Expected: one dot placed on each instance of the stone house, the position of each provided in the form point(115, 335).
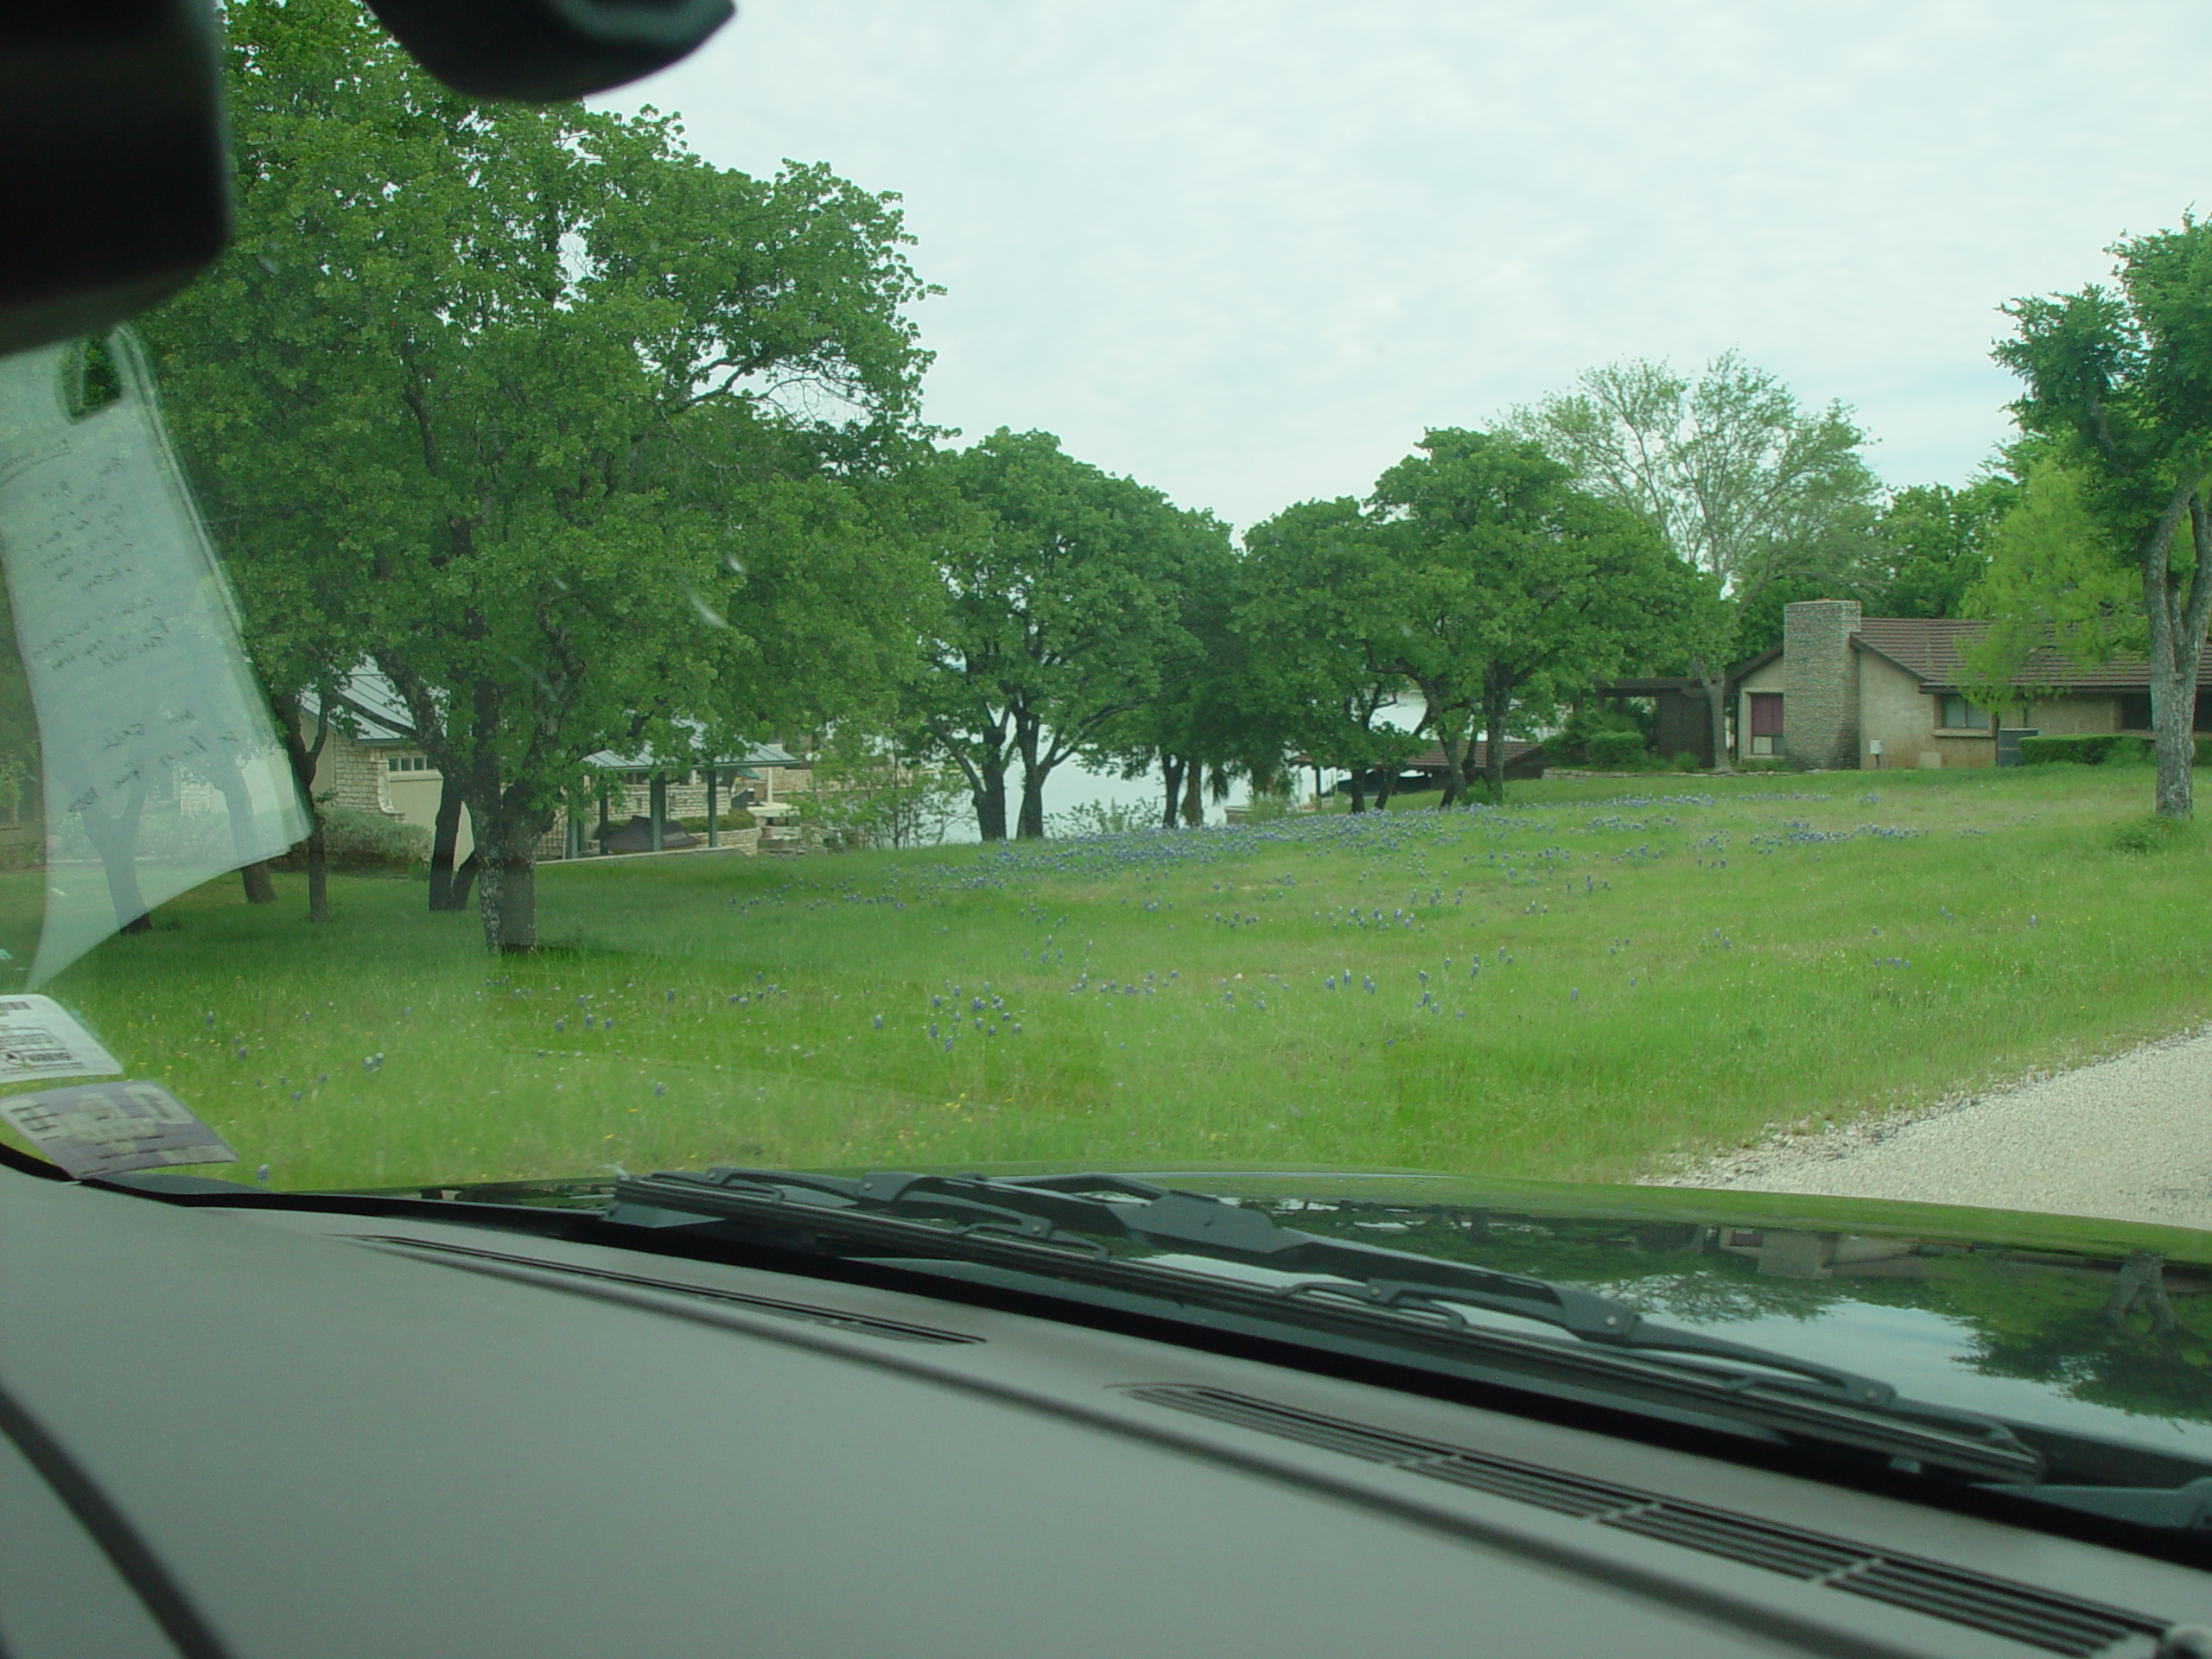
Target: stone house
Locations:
point(1849, 690)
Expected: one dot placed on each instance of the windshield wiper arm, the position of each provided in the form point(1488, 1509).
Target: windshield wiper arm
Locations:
point(1057, 1224)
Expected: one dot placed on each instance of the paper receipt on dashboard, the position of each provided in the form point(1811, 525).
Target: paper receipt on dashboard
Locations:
point(104, 1128)
point(39, 1038)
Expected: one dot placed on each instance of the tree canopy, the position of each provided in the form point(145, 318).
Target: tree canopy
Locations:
point(566, 429)
point(1064, 592)
point(2118, 384)
point(1745, 484)
point(1509, 585)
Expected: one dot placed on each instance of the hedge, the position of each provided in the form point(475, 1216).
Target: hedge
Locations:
point(736, 818)
point(2101, 749)
point(1616, 750)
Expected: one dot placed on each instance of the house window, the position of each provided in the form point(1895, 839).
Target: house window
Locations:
point(2135, 712)
point(1959, 714)
point(406, 763)
point(1766, 722)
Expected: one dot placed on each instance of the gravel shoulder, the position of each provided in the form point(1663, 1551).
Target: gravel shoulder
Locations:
point(2128, 1139)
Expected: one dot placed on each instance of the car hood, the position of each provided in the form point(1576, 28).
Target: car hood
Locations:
point(2093, 1327)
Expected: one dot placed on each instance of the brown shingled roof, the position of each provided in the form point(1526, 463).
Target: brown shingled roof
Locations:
point(1928, 648)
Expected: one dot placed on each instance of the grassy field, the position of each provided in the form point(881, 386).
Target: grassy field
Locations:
point(1608, 974)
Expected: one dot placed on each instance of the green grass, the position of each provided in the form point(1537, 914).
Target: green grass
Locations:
point(1684, 962)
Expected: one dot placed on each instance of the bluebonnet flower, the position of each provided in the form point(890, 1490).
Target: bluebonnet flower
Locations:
point(1368, 983)
point(659, 1088)
point(879, 1022)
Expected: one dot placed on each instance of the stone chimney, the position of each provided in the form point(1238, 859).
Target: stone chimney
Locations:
point(1820, 685)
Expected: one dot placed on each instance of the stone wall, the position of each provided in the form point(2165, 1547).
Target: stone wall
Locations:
point(1819, 709)
point(350, 773)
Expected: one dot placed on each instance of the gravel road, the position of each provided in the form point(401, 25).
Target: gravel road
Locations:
point(2128, 1138)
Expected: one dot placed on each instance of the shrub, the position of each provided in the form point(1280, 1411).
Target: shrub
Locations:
point(363, 844)
point(1684, 761)
point(2153, 835)
point(2080, 749)
point(1615, 751)
point(1570, 744)
point(736, 818)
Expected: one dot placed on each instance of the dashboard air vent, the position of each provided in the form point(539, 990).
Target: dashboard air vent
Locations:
point(2020, 1612)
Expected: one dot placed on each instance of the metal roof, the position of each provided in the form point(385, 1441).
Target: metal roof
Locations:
point(379, 716)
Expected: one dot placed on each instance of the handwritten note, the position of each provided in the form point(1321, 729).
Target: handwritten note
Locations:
point(130, 642)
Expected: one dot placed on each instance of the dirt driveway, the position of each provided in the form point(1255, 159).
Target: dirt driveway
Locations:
point(2129, 1138)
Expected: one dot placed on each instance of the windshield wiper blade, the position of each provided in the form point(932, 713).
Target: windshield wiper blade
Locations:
point(1060, 1226)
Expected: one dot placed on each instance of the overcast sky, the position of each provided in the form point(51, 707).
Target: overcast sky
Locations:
point(1246, 251)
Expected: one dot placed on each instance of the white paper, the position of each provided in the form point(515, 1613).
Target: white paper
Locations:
point(39, 1038)
point(102, 1128)
point(160, 765)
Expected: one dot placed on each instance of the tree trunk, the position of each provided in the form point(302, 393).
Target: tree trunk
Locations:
point(116, 840)
point(1357, 783)
point(464, 878)
point(1030, 825)
point(2178, 619)
point(507, 873)
point(1450, 742)
point(1194, 807)
point(445, 835)
point(1029, 821)
point(1171, 769)
point(1495, 703)
point(303, 757)
point(990, 800)
point(318, 871)
point(1716, 698)
point(1386, 785)
point(260, 885)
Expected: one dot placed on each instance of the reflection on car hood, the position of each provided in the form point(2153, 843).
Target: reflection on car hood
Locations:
point(2099, 1328)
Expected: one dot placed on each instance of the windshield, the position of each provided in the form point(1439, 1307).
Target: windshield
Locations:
point(1253, 605)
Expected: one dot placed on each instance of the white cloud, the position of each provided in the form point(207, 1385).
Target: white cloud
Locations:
point(1246, 250)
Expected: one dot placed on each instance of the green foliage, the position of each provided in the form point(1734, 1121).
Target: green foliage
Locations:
point(2152, 833)
point(1509, 589)
point(576, 434)
point(2118, 384)
point(1747, 485)
point(872, 791)
point(1615, 751)
point(1570, 744)
point(363, 844)
point(1685, 760)
point(2084, 749)
point(1065, 609)
point(1090, 818)
point(735, 818)
point(1314, 590)
point(1931, 545)
point(2055, 587)
point(1710, 1046)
